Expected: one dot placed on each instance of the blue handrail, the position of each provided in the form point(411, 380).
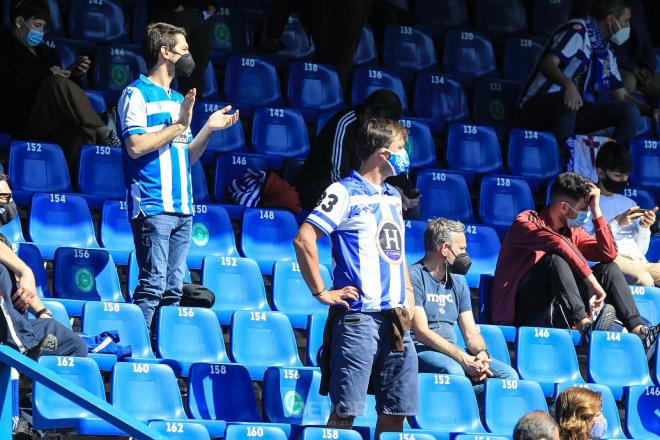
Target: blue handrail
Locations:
point(12, 358)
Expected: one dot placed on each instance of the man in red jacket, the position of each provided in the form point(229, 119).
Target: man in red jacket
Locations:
point(543, 277)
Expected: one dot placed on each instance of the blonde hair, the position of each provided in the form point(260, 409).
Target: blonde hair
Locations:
point(574, 408)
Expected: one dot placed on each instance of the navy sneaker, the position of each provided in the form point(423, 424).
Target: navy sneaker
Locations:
point(649, 335)
point(604, 321)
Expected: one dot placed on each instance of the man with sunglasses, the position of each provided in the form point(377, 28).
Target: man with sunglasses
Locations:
point(543, 275)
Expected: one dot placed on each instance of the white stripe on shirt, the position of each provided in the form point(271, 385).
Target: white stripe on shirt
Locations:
point(337, 145)
point(166, 178)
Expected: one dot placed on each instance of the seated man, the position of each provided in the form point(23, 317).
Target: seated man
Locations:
point(543, 276)
point(630, 225)
point(442, 298)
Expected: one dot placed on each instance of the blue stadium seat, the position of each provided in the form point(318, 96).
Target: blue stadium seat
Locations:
point(469, 55)
point(31, 256)
point(494, 339)
point(548, 14)
point(483, 245)
point(414, 240)
point(507, 400)
point(210, 83)
point(291, 295)
point(368, 80)
point(101, 21)
point(132, 277)
point(117, 66)
point(495, 101)
point(533, 155)
point(59, 312)
point(314, 88)
point(440, 100)
point(645, 198)
point(502, 199)
point(630, 368)
point(474, 149)
point(368, 418)
point(653, 254)
point(251, 82)
point(448, 186)
point(646, 162)
point(247, 432)
point(408, 49)
point(520, 56)
point(200, 188)
point(132, 382)
point(324, 117)
point(315, 326)
point(230, 33)
point(609, 406)
point(547, 356)
point(280, 132)
point(82, 275)
point(442, 15)
point(291, 395)
point(5, 140)
point(267, 235)
point(647, 300)
point(421, 147)
point(228, 168)
point(277, 344)
point(366, 53)
point(60, 220)
point(139, 21)
point(237, 284)
point(181, 430)
point(499, 18)
point(100, 174)
point(312, 433)
point(458, 413)
point(222, 141)
point(221, 392)
point(97, 100)
point(212, 234)
point(255, 9)
point(37, 167)
point(13, 230)
point(116, 234)
point(187, 335)
point(645, 126)
point(642, 420)
point(297, 44)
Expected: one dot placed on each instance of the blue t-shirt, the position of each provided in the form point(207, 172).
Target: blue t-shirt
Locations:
point(442, 302)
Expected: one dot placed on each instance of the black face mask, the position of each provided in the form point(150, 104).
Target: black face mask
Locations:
point(8, 212)
point(461, 264)
point(613, 186)
point(184, 66)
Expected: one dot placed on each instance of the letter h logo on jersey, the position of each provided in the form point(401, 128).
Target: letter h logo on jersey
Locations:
point(389, 240)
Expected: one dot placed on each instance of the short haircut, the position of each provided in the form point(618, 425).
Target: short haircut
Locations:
point(28, 9)
point(570, 185)
point(157, 36)
point(378, 133)
point(384, 104)
point(614, 157)
point(438, 231)
point(602, 8)
point(537, 425)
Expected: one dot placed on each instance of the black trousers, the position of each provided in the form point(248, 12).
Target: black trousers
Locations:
point(550, 295)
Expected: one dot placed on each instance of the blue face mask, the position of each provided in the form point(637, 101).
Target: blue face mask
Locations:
point(582, 218)
point(33, 38)
point(399, 161)
point(599, 429)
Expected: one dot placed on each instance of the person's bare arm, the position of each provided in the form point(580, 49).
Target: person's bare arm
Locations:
point(549, 68)
point(25, 296)
point(473, 339)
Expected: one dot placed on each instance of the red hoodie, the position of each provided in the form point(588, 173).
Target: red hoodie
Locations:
point(528, 240)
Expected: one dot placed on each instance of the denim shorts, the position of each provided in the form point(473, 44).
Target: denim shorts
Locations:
point(362, 350)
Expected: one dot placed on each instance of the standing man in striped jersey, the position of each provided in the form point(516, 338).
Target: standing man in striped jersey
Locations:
point(366, 342)
point(159, 151)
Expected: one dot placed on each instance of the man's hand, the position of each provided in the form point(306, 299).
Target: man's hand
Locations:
point(648, 218)
point(594, 288)
point(25, 294)
point(572, 98)
point(593, 199)
point(56, 70)
point(220, 120)
point(475, 369)
point(628, 216)
point(186, 111)
point(80, 66)
point(339, 296)
point(409, 203)
point(642, 74)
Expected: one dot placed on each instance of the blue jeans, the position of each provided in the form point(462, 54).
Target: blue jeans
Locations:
point(431, 361)
point(161, 247)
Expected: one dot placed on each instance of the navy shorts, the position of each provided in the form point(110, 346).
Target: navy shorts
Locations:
point(362, 349)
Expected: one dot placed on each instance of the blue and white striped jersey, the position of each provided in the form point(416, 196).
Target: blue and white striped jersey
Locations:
point(157, 182)
point(366, 232)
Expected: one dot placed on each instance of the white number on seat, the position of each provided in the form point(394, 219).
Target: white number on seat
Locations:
point(65, 361)
point(311, 67)
point(31, 146)
point(200, 209)
point(531, 134)
point(255, 431)
point(247, 62)
point(58, 198)
point(441, 379)
point(503, 181)
point(218, 369)
point(140, 368)
point(269, 215)
point(276, 112)
point(330, 434)
point(467, 36)
point(228, 261)
point(81, 253)
point(186, 312)
point(239, 160)
point(110, 307)
point(439, 176)
point(541, 333)
point(375, 74)
point(614, 336)
point(510, 384)
point(102, 150)
point(258, 316)
point(469, 129)
point(174, 427)
point(291, 374)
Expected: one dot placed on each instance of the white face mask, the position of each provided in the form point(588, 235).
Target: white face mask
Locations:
point(620, 36)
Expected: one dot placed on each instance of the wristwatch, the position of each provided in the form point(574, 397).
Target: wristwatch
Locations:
point(483, 350)
point(44, 311)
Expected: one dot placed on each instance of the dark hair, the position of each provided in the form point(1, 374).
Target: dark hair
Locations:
point(537, 425)
point(570, 185)
point(157, 36)
point(384, 104)
point(614, 157)
point(602, 8)
point(377, 133)
point(28, 9)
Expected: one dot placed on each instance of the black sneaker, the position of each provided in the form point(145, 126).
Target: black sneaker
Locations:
point(111, 140)
point(649, 336)
point(604, 321)
point(23, 430)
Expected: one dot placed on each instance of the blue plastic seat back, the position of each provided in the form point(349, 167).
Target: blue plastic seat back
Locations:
point(59, 312)
point(366, 52)
point(548, 14)
point(297, 44)
point(484, 247)
point(507, 400)
point(97, 20)
point(630, 368)
point(314, 86)
point(61, 220)
point(408, 49)
point(642, 405)
point(97, 100)
point(494, 339)
point(414, 240)
point(221, 392)
point(473, 148)
point(442, 15)
point(231, 167)
point(246, 432)
point(459, 414)
point(647, 300)
point(38, 167)
point(502, 199)
point(139, 21)
point(147, 391)
point(312, 433)
point(646, 162)
point(369, 417)
point(181, 430)
point(609, 406)
point(200, 188)
point(116, 230)
point(499, 18)
point(230, 30)
point(440, 97)
point(291, 395)
point(212, 233)
point(31, 256)
point(86, 274)
point(368, 80)
point(210, 83)
point(421, 147)
point(280, 132)
point(653, 254)
point(451, 188)
point(117, 66)
point(520, 57)
point(290, 292)
point(547, 356)
point(13, 230)
point(315, 326)
point(221, 141)
point(469, 54)
point(267, 235)
point(132, 277)
point(645, 198)
point(125, 318)
point(252, 81)
point(495, 101)
point(533, 154)
point(101, 171)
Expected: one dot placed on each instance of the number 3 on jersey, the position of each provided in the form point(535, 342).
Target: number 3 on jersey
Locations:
point(328, 202)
